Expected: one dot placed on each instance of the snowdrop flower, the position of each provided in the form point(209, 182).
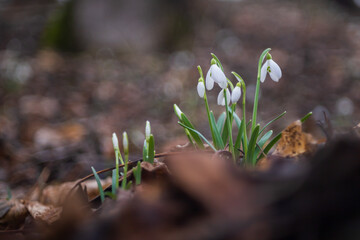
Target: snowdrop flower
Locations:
point(178, 112)
point(221, 97)
point(201, 88)
point(209, 80)
point(215, 74)
point(115, 141)
point(271, 67)
point(147, 130)
point(125, 143)
point(236, 93)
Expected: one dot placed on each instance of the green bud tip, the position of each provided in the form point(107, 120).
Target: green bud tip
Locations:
point(213, 61)
point(268, 56)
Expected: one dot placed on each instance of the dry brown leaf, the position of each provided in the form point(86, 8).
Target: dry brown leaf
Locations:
point(294, 141)
point(57, 194)
point(12, 212)
point(48, 214)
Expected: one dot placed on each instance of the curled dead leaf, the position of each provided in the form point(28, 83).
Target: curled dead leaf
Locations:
point(48, 214)
point(56, 194)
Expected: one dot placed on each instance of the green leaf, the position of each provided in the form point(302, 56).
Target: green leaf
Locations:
point(194, 135)
point(128, 185)
point(202, 136)
point(225, 133)
point(113, 185)
point(278, 117)
point(111, 195)
point(262, 141)
point(101, 190)
point(252, 144)
point(238, 140)
point(306, 117)
point(270, 145)
point(218, 140)
point(236, 118)
point(217, 61)
point(137, 173)
point(151, 153)
point(221, 121)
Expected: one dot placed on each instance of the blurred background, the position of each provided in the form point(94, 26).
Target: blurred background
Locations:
point(73, 72)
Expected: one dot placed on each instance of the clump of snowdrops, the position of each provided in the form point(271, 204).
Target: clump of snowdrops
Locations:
point(250, 142)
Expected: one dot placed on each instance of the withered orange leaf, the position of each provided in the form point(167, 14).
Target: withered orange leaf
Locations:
point(294, 141)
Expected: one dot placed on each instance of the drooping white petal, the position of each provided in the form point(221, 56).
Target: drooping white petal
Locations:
point(275, 71)
point(209, 81)
point(218, 76)
point(147, 130)
point(223, 84)
point(115, 141)
point(264, 71)
point(228, 96)
point(221, 98)
point(236, 94)
point(201, 89)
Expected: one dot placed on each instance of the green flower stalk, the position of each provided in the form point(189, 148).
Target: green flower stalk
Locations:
point(126, 153)
point(117, 157)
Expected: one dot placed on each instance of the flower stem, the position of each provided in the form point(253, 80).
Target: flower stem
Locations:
point(256, 99)
point(245, 145)
point(231, 144)
point(208, 115)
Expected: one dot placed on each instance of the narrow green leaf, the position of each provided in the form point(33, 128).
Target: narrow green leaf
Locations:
point(113, 185)
point(225, 133)
point(221, 121)
point(238, 140)
point(101, 190)
point(236, 118)
point(262, 141)
point(306, 117)
point(151, 153)
point(194, 135)
point(189, 137)
point(111, 195)
point(270, 145)
point(278, 117)
point(202, 136)
point(128, 185)
point(252, 144)
point(137, 173)
point(218, 140)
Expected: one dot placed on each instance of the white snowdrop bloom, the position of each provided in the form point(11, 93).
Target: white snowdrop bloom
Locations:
point(147, 130)
point(271, 67)
point(209, 80)
point(221, 97)
point(236, 94)
point(201, 89)
point(218, 75)
point(115, 141)
point(125, 142)
point(177, 111)
point(215, 74)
